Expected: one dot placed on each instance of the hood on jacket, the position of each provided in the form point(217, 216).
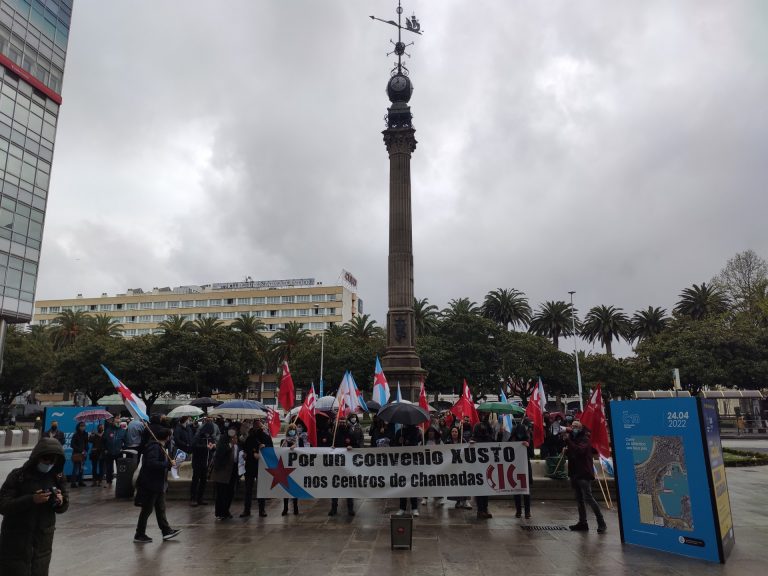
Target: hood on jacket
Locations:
point(47, 447)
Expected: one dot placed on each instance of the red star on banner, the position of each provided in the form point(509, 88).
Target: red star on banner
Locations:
point(280, 474)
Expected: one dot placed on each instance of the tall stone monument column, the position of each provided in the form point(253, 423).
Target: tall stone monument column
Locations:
point(400, 362)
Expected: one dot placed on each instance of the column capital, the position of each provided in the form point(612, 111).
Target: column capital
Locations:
point(400, 140)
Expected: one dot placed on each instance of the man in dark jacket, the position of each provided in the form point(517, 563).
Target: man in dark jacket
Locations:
point(114, 435)
point(257, 439)
point(408, 436)
point(581, 471)
point(30, 498)
point(151, 486)
point(348, 435)
point(483, 432)
point(202, 443)
point(54, 432)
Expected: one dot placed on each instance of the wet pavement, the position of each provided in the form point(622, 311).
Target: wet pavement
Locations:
point(95, 536)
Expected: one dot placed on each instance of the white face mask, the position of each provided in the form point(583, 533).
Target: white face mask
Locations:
point(44, 468)
point(231, 433)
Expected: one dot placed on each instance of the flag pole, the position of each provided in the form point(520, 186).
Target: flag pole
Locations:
point(605, 479)
point(605, 498)
point(156, 440)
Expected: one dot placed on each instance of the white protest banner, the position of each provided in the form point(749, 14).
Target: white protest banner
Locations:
point(443, 470)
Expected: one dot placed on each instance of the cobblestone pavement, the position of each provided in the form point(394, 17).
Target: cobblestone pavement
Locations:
point(95, 537)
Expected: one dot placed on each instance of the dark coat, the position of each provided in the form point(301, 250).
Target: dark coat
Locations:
point(482, 432)
point(27, 529)
point(57, 434)
point(79, 442)
point(579, 451)
point(252, 447)
point(154, 469)
point(114, 436)
point(408, 436)
point(182, 438)
point(224, 461)
point(97, 446)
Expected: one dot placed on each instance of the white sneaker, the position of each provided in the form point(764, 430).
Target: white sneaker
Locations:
point(424, 501)
point(467, 505)
point(400, 512)
point(415, 512)
point(439, 501)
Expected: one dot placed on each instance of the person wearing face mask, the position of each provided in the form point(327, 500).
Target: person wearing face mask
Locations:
point(257, 439)
point(225, 472)
point(348, 435)
point(151, 486)
point(581, 471)
point(54, 432)
point(292, 440)
point(79, 445)
point(30, 499)
point(98, 443)
point(114, 433)
point(182, 440)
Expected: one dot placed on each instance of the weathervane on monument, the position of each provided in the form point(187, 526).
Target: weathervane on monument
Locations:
point(401, 361)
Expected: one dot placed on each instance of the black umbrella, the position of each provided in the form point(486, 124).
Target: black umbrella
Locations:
point(373, 406)
point(204, 402)
point(402, 413)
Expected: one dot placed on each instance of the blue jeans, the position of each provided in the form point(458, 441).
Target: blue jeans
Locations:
point(77, 472)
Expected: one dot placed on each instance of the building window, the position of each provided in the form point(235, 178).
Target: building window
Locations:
point(130, 319)
point(214, 302)
point(201, 303)
point(173, 304)
point(318, 297)
point(302, 298)
point(287, 313)
point(288, 299)
point(119, 306)
point(257, 313)
point(273, 299)
point(331, 297)
point(259, 300)
point(273, 313)
point(132, 306)
point(229, 302)
point(159, 317)
point(243, 301)
point(228, 315)
point(146, 305)
point(318, 311)
point(92, 307)
point(303, 311)
point(188, 304)
point(145, 318)
point(105, 307)
point(54, 309)
point(44, 310)
point(159, 305)
point(317, 326)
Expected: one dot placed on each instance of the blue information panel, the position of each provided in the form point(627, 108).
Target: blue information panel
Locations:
point(65, 417)
point(664, 477)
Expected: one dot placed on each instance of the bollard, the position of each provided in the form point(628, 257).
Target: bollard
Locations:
point(13, 438)
point(401, 531)
point(30, 436)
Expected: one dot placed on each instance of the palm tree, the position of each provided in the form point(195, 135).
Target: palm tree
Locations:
point(67, 326)
point(207, 326)
point(604, 324)
point(647, 323)
point(248, 325)
point(553, 319)
point(176, 323)
point(699, 302)
point(104, 325)
point(426, 316)
point(287, 339)
point(460, 307)
point(363, 328)
point(334, 331)
point(507, 306)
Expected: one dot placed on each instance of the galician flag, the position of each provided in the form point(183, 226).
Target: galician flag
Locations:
point(133, 403)
point(506, 419)
point(399, 397)
point(349, 396)
point(380, 385)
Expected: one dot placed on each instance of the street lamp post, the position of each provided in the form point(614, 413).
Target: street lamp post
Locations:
point(576, 352)
point(322, 353)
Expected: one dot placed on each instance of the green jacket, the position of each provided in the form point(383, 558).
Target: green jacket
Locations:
point(27, 528)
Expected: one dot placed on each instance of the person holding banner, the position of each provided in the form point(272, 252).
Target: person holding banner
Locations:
point(408, 436)
point(483, 433)
point(521, 433)
point(291, 440)
point(202, 443)
point(346, 437)
point(454, 437)
point(257, 439)
point(225, 472)
point(581, 470)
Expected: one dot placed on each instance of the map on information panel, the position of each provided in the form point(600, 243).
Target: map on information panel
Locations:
point(662, 481)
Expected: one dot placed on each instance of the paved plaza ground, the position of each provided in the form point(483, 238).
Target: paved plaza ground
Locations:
point(95, 537)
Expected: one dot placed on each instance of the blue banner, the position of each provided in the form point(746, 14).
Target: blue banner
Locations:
point(661, 466)
point(65, 417)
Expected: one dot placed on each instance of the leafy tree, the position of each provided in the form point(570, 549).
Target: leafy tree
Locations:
point(743, 280)
point(553, 320)
point(77, 366)
point(507, 307)
point(604, 324)
point(287, 339)
point(105, 325)
point(249, 326)
point(208, 326)
point(460, 307)
point(176, 323)
point(26, 361)
point(362, 327)
point(698, 302)
point(426, 316)
point(334, 331)
point(647, 323)
point(618, 376)
point(68, 326)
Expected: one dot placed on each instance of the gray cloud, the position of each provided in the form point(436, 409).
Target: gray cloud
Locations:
point(616, 150)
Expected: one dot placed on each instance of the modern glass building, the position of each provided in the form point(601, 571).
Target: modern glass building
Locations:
point(33, 47)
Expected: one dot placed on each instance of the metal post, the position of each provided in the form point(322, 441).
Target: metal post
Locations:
point(576, 352)
point(322, 353)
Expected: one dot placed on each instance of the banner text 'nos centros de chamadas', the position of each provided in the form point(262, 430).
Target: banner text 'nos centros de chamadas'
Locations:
point(441, 470)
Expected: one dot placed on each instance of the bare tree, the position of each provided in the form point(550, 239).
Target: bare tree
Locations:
point(743, 279)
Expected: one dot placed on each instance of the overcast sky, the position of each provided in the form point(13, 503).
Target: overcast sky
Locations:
point(617, 149)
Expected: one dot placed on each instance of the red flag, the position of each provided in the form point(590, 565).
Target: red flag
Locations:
point(534, 414)
point(273, 422)
point(287, 392)
point(465, 406)
point(593, 419)
point(424, 404)
point(307, 415)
